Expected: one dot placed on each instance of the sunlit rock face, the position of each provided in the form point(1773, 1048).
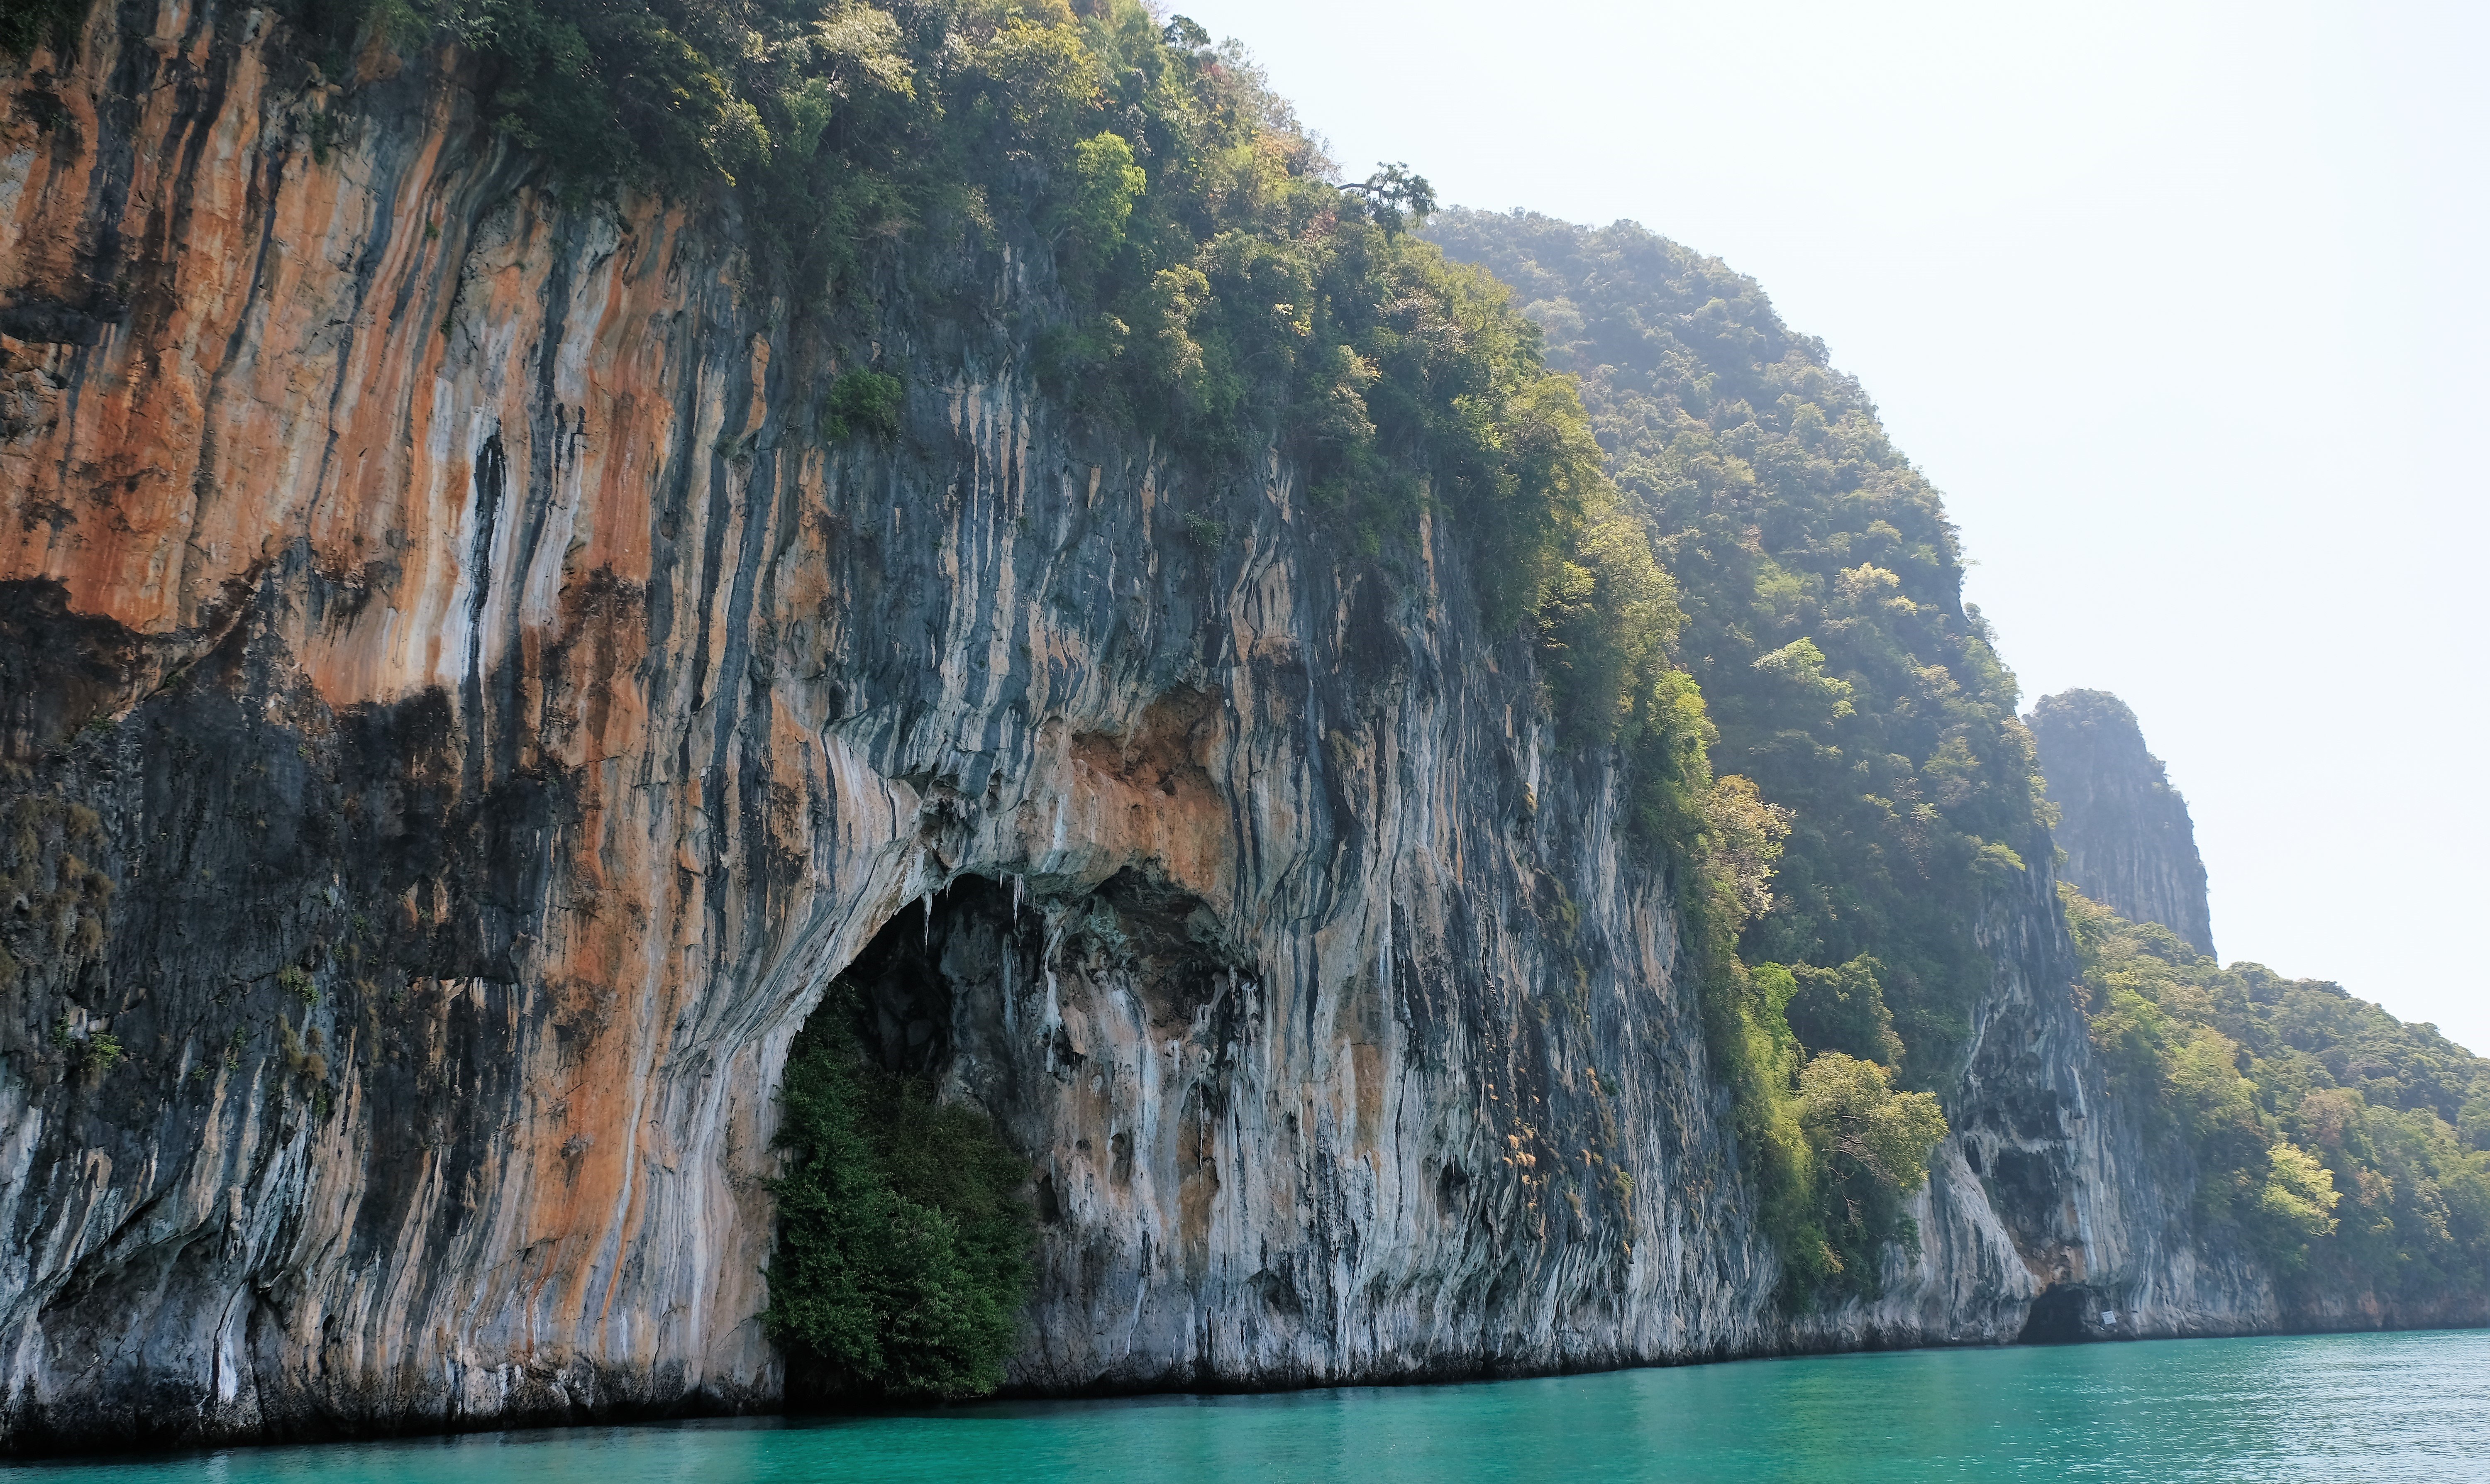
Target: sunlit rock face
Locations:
point(458, 715)
point(2130, 843)
point(501, 715)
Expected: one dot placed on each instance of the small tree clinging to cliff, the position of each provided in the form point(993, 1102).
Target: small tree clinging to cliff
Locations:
point(1872, 1146)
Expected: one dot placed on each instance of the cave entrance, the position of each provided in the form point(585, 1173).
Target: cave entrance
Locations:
point(937, 976)
point(945, 987)
point(987, 1056)
point(2065, 1314)
point(905, 1228)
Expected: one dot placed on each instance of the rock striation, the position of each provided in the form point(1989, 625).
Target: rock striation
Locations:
point(459, 713)
point(2130, 843)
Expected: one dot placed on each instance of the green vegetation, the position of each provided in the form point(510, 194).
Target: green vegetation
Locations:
point(861, 403)
point(298, 982)
point(2350, 1151)
point(1842, 1009)
point(1872, 1146)
point(1824, 623)
point(1837, 669)
point(100, 1053)
point(903, 1244)
point(1834, 1146)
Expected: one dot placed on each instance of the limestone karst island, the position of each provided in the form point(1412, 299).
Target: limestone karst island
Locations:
point(809, 710)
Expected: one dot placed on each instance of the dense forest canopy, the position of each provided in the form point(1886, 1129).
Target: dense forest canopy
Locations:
point(1824, 626)
point(2348, 1150)
point(1822, 589)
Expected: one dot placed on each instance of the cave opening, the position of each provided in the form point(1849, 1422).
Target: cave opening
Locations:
point(935, 979)
point(934, 992)
point(963, 1081)
point(905, 1227)
point(2063, 1315)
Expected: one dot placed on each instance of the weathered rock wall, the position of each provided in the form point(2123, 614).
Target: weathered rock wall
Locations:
point(460, 715)
point(2130, 843)
point(2129, 840)
point(501, 715)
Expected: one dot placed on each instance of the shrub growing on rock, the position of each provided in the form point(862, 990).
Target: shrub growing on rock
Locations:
point(903, 1240)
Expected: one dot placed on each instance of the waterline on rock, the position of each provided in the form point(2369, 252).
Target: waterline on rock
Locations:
point(2413, 1405)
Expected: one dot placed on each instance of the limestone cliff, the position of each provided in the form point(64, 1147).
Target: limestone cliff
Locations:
point(459, 713)
point(2130, 843)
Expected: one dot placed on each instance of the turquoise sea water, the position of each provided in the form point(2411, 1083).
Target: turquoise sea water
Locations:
point(2335, 1406)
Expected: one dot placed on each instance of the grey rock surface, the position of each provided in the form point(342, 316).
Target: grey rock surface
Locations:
point(2129, 840)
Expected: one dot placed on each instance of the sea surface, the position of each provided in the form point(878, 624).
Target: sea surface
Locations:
point(2332, 1406)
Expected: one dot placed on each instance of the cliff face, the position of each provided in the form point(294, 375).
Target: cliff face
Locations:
point(2392, 1110)
point(458, 717)
point(2130, 843)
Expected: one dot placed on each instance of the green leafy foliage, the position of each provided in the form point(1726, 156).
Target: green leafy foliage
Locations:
point(1099, 205)
point(2340, 1145)
point(1397, 198)
point(862, 402)
point(903, 1245)
point(1842, 1009)
point(1821, 590)
point(1833, 1146)
point(298, 982)
point(1871, 1145)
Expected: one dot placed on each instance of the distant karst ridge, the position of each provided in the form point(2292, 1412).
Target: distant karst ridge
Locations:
point(2129, 840)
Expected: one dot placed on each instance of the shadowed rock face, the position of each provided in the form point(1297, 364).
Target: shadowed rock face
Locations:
point(2130, 843)
point(457, 716)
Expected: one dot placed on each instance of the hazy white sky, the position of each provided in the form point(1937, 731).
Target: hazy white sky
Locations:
point(2183, 309)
